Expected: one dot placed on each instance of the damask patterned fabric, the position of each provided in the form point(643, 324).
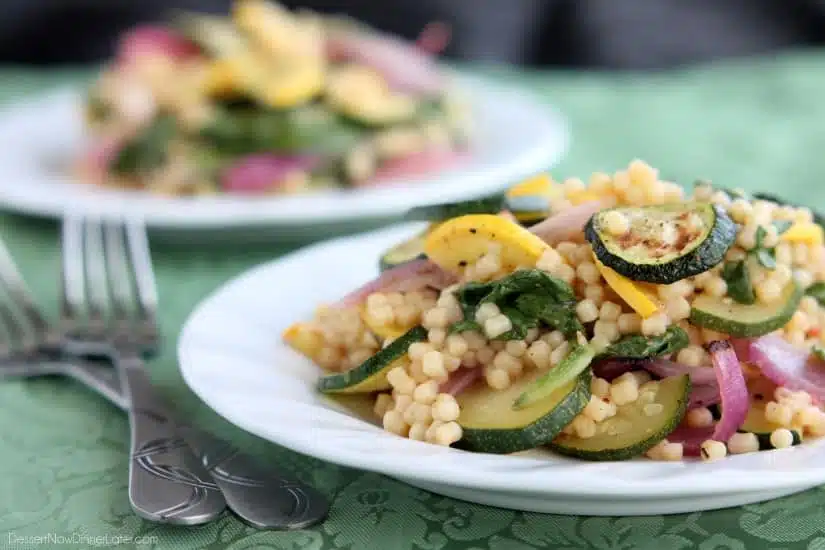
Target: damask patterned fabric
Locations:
point(63, 451)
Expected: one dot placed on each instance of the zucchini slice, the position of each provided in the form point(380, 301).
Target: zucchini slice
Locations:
point(404, 252)
point(755, 423)
point(490, 424)
point(526, 208)
point(631, 432)
point(371, 375)
point(665, 243)
point(569, 368)
point(744, 320)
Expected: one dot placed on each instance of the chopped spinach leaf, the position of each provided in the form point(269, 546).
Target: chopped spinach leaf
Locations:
point(642, 347)
point(148, 150)
point(765, 256)
point(527, 297)
point(817, 290)
point(738, 280)
point(818, 352)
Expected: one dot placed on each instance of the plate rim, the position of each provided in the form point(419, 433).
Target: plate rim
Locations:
point(237, 211)
point(691, 485)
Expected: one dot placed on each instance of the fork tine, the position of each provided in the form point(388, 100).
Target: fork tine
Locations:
point(118, 267)
point(72, 286)
point(142, 264)
point(19, 292)
point(96, 279)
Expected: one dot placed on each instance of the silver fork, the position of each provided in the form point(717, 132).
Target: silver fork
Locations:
point(99, 316)
point(261, 498)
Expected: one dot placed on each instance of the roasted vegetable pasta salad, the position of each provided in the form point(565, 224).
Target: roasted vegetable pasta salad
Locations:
point(270, 101)
point(606, 320)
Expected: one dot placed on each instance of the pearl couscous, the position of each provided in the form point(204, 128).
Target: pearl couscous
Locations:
point(585, 341)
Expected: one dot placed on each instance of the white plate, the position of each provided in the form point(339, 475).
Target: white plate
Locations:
point(516, 137)
point(232, 357)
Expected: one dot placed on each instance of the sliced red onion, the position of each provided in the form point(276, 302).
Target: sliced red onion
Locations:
point(664, 368)
point(614, 367)
point(427, 162)
point(260, 173)
point(734, 398)
point(568, 224)
point(100, 155)
point(405, 67)
point(415, 275)
point(460, 380)
point(146, 40)
point(788, 366)
point(704, 395)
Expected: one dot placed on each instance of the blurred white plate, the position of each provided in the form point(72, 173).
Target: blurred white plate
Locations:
point(231, 355)
point(516, 137)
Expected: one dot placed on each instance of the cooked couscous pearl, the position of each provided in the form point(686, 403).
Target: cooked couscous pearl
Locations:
point(598, 410)
point(594, 293)
point(426, 393)
point(671, 451)
point(445, 408)
point(507, 362)
point(400, 380)
point(539, 354)
point(615, 223)
point(588, 273)
point(383, 403)
point(554, 339)
point(447, 434)
point(624, 390)
point(713, 450)
point(456, 345)
point(487, 311)
point(497, 326)
point(433, 365)
point(629, 323)
point(516, 348)
point(599, 387)
point(691, 356)
point(393, 421)
point(559, 353)
point(498, 379)
point(778, 413)
point(610, 311)
point(418, 431)
point(781, 438)
point(437, 336)
point(587, 311)
point(584, 427)
point(699, 417)
point(655, 325)
point(740, 443)
point(417, 350)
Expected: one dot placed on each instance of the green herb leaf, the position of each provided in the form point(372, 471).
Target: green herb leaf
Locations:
point(782, 226)
point(817, 290)
point(760, 237)
point(148, 150)
point(463, 326)
point(818, 352)
point(766, 257)
point(642, 347)
point(738, 280)
point(527, 298)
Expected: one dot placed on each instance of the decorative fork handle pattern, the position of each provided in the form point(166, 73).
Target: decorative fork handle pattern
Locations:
point(260, 497)
point(167, 482)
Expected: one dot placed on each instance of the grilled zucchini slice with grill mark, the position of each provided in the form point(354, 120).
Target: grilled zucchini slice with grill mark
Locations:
point(665, 243)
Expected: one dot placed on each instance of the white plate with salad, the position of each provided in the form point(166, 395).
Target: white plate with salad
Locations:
point(212, 122)
point(611, 348)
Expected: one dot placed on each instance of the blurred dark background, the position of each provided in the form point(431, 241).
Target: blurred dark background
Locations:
point(630, 34)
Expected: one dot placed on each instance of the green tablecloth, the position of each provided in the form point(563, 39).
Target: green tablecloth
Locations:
point(63, 452)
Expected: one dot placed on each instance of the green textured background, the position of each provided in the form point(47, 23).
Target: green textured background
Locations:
point(63, 452)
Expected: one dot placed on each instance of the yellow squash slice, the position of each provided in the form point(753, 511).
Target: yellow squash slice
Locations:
point(539, 185)
point(461, 241)
point(804, 232)
point(642, 300)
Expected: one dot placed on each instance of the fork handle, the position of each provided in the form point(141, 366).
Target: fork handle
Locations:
point(261, 497)
point(167, 482)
